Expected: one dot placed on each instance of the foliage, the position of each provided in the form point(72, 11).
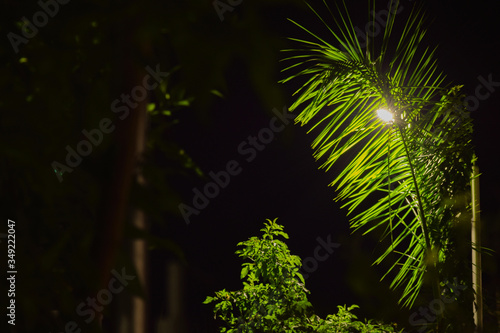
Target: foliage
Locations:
point(274, 297)
point(416, 168)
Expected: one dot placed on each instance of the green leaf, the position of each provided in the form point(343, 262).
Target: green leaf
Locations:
point(244, 272)
point(217, 93)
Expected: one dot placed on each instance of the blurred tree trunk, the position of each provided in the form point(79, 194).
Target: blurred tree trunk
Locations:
point(130, 141)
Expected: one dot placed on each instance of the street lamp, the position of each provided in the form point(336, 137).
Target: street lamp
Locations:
point(385, 115)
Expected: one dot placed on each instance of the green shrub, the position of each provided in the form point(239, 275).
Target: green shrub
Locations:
point(274, 296)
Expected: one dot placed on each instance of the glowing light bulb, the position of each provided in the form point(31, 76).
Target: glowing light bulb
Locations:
point(385, 115)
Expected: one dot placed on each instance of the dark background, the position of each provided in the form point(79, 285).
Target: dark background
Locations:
point(72, 82)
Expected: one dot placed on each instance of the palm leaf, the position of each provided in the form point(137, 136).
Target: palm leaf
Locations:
point(411, 167)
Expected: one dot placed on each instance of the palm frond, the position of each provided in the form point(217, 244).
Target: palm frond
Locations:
point(411, 166)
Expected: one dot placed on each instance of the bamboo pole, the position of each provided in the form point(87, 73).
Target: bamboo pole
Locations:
point(476, 254)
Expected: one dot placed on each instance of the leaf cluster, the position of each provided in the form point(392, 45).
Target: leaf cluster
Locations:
point(274, 296)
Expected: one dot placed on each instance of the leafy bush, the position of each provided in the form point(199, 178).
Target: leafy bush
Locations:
point(274, 296)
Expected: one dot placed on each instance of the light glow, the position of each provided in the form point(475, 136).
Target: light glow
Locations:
point(385, 115)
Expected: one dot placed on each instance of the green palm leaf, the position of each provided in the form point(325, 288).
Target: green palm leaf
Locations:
point(415, 168)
